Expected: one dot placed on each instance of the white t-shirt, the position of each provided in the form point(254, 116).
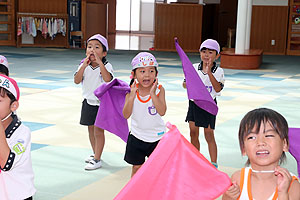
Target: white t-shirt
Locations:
point(17, 175)
point(218, 73)
point(146, 124)
point(92, 79)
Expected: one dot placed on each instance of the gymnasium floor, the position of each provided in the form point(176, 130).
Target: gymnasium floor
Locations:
point(50, 105)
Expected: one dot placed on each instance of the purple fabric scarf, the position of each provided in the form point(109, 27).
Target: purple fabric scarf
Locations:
point(196, 90)
point(294, 140)
point(112, 99)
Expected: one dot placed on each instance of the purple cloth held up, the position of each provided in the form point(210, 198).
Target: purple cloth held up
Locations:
point(196, 90)
point(294, 140)
point(112, 99)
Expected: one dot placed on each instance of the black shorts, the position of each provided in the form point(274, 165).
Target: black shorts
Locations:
point(137, 150)
point(88, 114)
point(201, 117)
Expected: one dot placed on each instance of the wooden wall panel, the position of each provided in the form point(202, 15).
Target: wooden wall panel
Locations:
point(183, 21)
point(43, 6)
point(269, 23)
point(96, 18)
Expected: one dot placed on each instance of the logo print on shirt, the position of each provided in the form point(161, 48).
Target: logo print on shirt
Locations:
point(152, 110)
point(209, 88)
point(19, 148)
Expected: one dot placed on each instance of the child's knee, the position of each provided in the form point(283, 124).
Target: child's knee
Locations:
point(98, 132)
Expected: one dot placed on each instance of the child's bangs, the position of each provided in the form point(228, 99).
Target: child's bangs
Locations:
point(2, 92)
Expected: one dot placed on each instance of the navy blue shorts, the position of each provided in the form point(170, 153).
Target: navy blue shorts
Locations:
point(137, 150)
point(201, 117)
point(88, 114)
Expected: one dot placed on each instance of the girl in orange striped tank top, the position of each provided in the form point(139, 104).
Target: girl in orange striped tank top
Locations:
point(263, 137)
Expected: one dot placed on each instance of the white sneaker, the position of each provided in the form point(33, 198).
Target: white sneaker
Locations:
point(93, 164)
point(88, 159)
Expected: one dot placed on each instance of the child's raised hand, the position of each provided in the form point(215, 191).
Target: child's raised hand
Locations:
point(209, 65)
point(154, 86)
point(233, 192)
point(133, 89)
point(87, 60)
point(284, 179)
point(98, 59)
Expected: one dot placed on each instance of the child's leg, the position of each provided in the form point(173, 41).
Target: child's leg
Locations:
point(194, 134)
point(92, 137)
point(212, 146)
point(135, 168)
point(99, 142)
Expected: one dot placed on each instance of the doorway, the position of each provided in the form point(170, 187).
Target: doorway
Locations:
point(227, 20)
point(134, 24)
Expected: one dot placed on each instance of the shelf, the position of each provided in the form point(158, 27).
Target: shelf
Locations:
point(5, 3)
point(295, 42)
point(59, 40)
point(7, 23)
point(293, 46)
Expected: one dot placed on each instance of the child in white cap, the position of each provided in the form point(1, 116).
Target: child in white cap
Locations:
point(146, 105)
point(93, 71)
point(16, 174)
point(212, 77)
point(4, 69)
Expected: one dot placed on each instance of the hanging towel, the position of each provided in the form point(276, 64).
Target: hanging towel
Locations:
point(196, 90)
point(45, 29)
point(63, 32)
point(40, 27)
point(175, 170)
point(33, 28)
point(55, 27)
point(110, 116)
point(19, 27)
point(49, 25)
point(27, 24)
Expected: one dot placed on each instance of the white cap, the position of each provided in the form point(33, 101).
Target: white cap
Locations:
point(4, 62)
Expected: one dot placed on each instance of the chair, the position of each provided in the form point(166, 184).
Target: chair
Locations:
point(77, 39)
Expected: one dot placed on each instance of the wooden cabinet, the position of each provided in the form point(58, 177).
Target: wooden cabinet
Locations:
point(183, 21)
point(293, 46)
point(7, 22)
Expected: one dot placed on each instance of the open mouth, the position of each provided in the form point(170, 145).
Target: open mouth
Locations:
point(262, 153)
point(146, 82)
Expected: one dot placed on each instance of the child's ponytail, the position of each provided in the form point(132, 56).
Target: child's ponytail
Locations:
point(132, 77)
point(132, 80)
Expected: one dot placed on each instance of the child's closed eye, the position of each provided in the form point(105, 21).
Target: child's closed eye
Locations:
point(270, 135)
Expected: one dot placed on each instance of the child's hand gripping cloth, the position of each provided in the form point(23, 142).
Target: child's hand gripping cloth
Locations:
point(175, 170)
point(112, 99)
point(294, 140)
point(196, 90)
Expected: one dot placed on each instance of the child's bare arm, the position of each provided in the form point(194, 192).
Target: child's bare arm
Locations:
point(184, 84)
point(79, 74)
point(106, 75)
point(233, 192)
point(214, 82)
point(127, 109)
point(4, 148)
point(159, 101)
point(286, 188)
point(294, 192)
